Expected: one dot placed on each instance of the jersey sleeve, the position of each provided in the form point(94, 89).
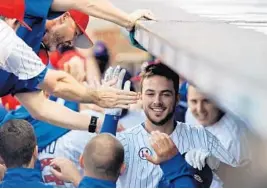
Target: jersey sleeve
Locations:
point(31, 85)
point(215, 147)
point(199, 137)
point(22, 61)
point(16, 56)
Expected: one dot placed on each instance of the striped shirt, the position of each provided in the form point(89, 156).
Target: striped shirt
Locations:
point(140, 173)
point(16, 56)
point(232, 133)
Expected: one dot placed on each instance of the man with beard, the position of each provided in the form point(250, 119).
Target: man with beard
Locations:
point(159, 95)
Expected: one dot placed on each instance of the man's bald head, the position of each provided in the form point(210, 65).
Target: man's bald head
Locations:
point(103, 156)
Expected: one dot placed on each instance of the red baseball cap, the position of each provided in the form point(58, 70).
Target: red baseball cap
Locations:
point(14, 9)
point(81, 20)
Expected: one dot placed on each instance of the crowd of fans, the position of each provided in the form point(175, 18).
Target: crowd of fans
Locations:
point(153, 129)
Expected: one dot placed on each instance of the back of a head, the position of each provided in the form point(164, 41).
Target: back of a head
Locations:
point(103, 157)
point(17, 143)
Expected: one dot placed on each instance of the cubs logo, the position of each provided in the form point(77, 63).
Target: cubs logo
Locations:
point(144, 151)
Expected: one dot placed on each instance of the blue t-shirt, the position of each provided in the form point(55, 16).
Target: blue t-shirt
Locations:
point(45, 133)
point(11, 84)
point(36, 14)
point(23, 178)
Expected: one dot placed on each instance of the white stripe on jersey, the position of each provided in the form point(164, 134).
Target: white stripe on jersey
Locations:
point(232, 133)
point(141, 173)
point(16, 56)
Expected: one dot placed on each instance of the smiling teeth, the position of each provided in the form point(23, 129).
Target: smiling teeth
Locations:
point(158, 110)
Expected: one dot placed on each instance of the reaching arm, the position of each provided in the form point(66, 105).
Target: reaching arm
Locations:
point(43, 109)
point(178, 176)
point(65, 86)
point(102, 9)
point(176, 173)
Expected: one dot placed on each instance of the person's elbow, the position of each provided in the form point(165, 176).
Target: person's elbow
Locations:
point(38, 112)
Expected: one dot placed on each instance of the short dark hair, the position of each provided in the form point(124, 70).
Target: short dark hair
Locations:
point(17, 143)
point(161, 69)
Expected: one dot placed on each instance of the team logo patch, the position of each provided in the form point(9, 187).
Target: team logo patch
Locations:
point(198, 178)
point(142, 152)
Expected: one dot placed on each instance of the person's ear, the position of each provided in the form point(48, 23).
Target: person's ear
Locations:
point(35, 152)
point(81, 161)
point(123, 168)
point(64, 17)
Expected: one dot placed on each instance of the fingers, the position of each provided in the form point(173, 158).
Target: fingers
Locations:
point(204, 156)
point(120, 128)
point(96, 82)
point(199, 161)
point(108, 74)
point(127, 86)
point(116, 72)
point(160, 139)
point(126, 102)
point(149, 15)
point(151, 159)
point(120, 78)
point(190, 158)
point(66, 68)
point(111, 82)
point(130, 94)
point(122, 106)
point(154, 144)
point(56, 173)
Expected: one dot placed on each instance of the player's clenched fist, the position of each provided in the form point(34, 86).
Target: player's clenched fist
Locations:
point(163, 146)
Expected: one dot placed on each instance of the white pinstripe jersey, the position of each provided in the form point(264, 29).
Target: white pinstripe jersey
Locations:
point(232, 133)
point(16, 56)
point(142, 174)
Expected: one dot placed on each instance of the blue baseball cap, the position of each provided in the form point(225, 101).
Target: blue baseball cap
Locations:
point(204, 177)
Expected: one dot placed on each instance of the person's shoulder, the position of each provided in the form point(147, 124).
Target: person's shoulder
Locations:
point(187, 126)
point(134, 131)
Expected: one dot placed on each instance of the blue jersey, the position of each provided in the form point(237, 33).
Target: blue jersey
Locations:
point(36, 14)
point(11, 84)
point(23, 178)
point(45, 133)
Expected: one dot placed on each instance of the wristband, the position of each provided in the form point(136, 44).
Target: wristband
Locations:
point(93, 124)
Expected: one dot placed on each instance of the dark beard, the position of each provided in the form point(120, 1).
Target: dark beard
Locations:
point(163, 121)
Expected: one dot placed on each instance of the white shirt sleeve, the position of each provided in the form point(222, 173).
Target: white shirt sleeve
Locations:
point(16, 56)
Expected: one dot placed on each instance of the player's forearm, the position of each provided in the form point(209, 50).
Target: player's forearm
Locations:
point(63, 85)
point(98, 8)
point(43, 109)
point(59, 115)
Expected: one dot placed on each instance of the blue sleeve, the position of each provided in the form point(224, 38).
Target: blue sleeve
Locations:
point(29, 85)
point(38, 8)
point(36, 14)
point(10, 84)
point(110, 124)
point(177, 174)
